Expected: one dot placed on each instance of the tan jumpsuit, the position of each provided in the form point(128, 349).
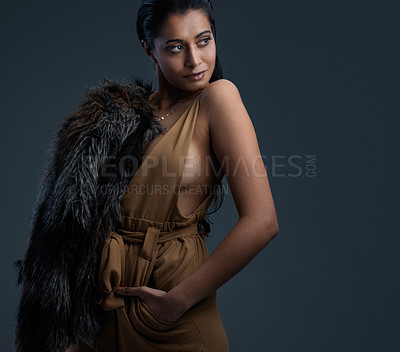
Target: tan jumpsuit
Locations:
point(158, 247)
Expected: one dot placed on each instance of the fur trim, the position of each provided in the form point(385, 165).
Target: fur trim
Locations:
point(77, 207)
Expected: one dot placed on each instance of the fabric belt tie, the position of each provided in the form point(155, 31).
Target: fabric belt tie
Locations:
point(112, 261)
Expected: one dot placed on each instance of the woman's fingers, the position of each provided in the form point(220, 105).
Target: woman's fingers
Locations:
point(141, 291)
point(130, 291)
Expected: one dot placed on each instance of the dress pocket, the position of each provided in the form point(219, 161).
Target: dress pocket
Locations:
point(167, 323)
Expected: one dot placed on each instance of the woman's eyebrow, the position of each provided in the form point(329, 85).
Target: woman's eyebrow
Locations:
point(181, 41)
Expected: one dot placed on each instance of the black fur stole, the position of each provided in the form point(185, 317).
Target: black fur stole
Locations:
point(77, 207)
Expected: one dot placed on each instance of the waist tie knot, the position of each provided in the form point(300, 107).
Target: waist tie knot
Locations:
point(112, 261)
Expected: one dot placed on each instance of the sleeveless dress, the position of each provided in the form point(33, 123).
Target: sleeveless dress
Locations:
point(158, 247)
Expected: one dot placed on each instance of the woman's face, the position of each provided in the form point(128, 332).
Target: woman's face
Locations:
point(185, 47)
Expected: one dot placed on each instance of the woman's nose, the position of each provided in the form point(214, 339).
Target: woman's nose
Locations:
point(193, 57)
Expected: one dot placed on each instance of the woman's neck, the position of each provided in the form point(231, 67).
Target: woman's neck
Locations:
point(167, 95)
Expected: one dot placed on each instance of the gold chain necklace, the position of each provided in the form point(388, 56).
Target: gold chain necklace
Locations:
point(170, 112)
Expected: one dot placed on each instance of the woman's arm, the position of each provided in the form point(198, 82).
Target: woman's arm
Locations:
point(235, 144)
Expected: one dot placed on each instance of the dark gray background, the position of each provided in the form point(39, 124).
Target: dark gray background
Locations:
point(315, 78)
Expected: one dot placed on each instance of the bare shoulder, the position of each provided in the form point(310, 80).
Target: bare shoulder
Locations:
point(222, 85)
point(222, 104)
point(217, 92)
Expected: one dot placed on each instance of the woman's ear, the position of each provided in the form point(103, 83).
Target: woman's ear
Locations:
point(149, 52)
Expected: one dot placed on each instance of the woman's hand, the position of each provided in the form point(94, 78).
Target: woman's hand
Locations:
point(160, 302)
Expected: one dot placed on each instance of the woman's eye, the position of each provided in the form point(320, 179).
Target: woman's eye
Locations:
point(178, 48)
point(205, 40)
point(175, 48)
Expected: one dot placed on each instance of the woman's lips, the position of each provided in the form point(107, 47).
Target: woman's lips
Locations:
point(196, 77)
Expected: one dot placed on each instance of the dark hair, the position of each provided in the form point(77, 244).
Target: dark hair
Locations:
point(151, 16)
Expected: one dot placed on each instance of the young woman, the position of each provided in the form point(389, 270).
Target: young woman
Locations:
point(155, 281)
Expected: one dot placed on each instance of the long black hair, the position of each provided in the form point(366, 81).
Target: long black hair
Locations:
point(151, 16)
